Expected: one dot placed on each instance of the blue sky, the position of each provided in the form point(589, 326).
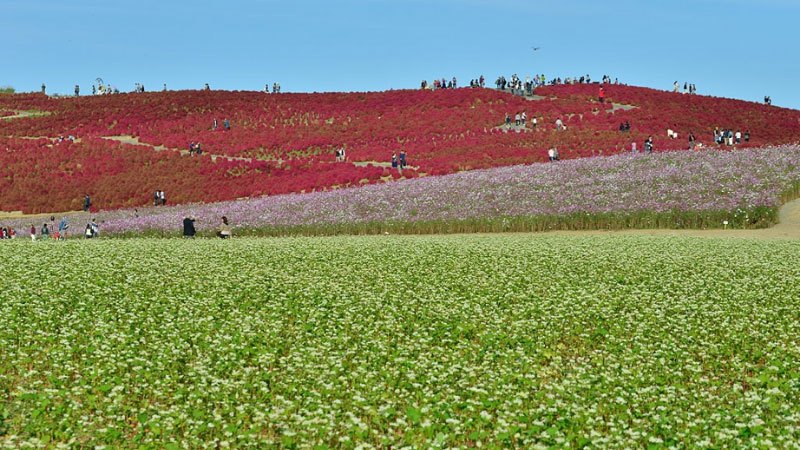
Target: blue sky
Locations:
point(731, 48)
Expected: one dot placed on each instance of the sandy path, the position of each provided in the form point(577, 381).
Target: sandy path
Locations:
point(22, 114)
point(160, 148)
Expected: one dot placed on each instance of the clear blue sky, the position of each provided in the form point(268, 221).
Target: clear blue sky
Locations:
point(734, 48)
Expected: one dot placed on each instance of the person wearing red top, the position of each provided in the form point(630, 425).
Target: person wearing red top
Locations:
point(601, 96)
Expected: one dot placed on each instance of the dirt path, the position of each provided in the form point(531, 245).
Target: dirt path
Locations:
point(22, 114)
point(125, 139)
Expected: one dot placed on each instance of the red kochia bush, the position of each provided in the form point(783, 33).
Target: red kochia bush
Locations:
point(293, 136)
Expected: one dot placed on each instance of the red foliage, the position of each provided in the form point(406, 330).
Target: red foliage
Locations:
point(291, 138)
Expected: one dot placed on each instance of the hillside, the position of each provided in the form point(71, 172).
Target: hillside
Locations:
point(129, 145)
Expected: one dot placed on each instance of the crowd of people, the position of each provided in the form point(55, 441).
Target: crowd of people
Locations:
point(51, 230)
point(440, 84)
point(688, 88)
point(729, 138)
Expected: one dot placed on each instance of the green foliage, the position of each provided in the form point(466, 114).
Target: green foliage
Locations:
point(502, 341)
point(7, 90)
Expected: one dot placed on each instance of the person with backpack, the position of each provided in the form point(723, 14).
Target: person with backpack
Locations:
point(63, 226)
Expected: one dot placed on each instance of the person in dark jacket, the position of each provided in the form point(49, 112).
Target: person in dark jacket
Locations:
point(188, 227)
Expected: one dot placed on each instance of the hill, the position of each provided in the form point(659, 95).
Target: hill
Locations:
point(285, 143)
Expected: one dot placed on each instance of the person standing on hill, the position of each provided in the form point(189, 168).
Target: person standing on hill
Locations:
point(601, 96)
point(33, 232)
point(226, 124)
point(402, 159)
point(394, 160)
point(77, 91)
point(44, 89)
point(87, 202)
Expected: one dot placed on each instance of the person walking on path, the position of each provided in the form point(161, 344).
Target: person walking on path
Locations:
point(63, 226)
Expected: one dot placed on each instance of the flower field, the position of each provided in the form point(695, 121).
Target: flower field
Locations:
point(403, 342)
point(291, 138)
point(665, 190)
